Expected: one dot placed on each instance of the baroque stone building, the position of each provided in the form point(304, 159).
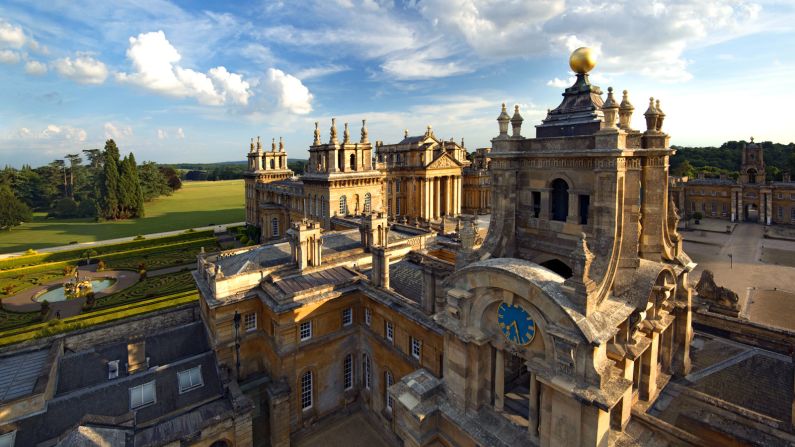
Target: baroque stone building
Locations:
point(477, 183)
point(340, 180)
point(422, 177)
point(748, 199)
point(574, 311)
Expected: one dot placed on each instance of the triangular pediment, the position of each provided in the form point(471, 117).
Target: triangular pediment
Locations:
point(443, 161)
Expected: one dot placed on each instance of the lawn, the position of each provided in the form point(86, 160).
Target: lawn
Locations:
point(197, 204)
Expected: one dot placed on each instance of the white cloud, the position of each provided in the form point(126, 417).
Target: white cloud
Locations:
point(9, 57)
point(116, 131)
point(288, 91)
point(54, 132)
point(180, 133)
point(83, 69)
point(11, 36)
point(35, 68)
point(319, 72)
point(234, 88)
point(561, 83)
point(162, 134)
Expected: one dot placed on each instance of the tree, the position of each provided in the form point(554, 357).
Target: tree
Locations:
point(74, 165)
point(60, 167)
point(110, 181)
point(153, 182)
point(131, 202)
point(138, 195)
point(685, 169)
point(12, 210)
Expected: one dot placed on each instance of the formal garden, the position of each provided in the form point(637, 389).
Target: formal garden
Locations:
point(142, 275)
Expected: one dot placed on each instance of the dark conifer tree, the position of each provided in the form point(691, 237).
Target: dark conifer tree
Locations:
point(110, 181)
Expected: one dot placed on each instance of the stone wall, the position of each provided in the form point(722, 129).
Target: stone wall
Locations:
point(771, 338)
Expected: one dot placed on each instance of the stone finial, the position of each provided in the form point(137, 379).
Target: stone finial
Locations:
point(364, 132)
point(610, 109)
point(468, 232)
point(405, 133)
point(281, 144)
point(660, 116)
point(625, 110)
point(346, 136)
point(259, 145)
point(516, 122)
point(251, 148)
point(316, 141)
point(429, 131)
point(333, 137)
point(503, 119)
point(273, 144)
point(581, 258)
point(462, 141)
point(752, 139)
point(651, 117)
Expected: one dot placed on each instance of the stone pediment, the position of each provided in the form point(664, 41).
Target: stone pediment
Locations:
point(443, 161)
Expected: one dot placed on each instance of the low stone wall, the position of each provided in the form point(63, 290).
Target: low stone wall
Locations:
point(771, 338)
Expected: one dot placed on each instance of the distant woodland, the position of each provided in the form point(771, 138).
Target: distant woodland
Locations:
point(97, 183)
point(714, 161)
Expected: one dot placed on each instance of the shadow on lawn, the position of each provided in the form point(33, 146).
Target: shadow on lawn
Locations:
point(52, 232)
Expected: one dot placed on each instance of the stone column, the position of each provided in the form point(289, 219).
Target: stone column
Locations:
point(623, 410)
point(499, 380)
point(768, 207)
point(279, 413)
point(574, 208)
point(734, 206)
point(424, 198)
point(437, 196)
point(544, 214)
point(532, 426)
point(740, 209)
point(683, 327)
point(648, 378)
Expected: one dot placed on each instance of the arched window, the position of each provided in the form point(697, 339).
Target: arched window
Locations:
point(752, 176)
point(559, 202)
point(272, 164)
point(388, 381)
point(343, 205)
point(353, 162)
point(367, 201)
point(306, 390)
point(322, 206)
point(341, 160)
point(275, 227)
point(367, 375)
point(347, 372)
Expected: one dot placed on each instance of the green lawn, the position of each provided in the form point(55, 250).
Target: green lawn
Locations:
point(197, 204)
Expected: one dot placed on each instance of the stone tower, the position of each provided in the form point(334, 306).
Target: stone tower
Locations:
point(578, 297)
point(263, 168)
point(752, 165)
point(340, 178)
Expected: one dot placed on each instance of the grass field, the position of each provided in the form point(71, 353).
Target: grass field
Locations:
point(197, 204)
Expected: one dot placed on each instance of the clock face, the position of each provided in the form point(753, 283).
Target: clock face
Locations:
point(516, 324)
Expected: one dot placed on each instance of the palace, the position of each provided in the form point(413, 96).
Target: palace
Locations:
point(748, 199)
point(423, 177)
point(572, 314)
point(477, 183)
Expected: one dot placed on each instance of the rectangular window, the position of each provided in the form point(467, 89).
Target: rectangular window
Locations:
point(781, 212)
point(366, 368)
point(368, 316)
point(389, 331)
point(536, 204)
point(397, 206)
point(347, 316)
point(416, 348)
point(792, 213)
point(388, 381)
point(250, 321)
point(142, 395)
point(190, 379)
point(306, 390)
point(305, 330)
point(780, 195)
point(347, 373)
point(7, 439)
point(397, 185)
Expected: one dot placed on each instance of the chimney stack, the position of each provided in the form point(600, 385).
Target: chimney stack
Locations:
point(136, 356)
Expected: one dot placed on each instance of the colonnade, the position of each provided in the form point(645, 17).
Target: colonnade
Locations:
point(426, 198)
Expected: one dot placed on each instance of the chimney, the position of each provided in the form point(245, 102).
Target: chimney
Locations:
point(380, 272)
point(373, 230)
point(786, 177)
point(136, 356)
point(305, 243)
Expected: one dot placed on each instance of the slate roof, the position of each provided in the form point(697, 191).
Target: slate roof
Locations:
point(18, 373)
point(85, 393)
point(711, 181)
point(340, 241)
point(254, 259)
point(405, 278)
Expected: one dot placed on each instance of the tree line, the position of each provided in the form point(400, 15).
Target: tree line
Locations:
point(106, 186)
point(726, 159)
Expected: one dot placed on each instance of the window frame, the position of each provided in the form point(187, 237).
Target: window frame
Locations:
point(188, 372)
point(301, 330)
point(141, 387)
point(347, 317)
point(348, 374)
point(389, 331)
point(416, 348)
point(11, 437)
point(389, 380)
point(368, 316)
point(367, 373)
point(246, 320)
point(307, 398)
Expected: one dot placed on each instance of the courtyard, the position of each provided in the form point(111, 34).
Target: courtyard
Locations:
point(759, 269)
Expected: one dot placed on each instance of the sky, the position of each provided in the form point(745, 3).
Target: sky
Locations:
point(193, 81)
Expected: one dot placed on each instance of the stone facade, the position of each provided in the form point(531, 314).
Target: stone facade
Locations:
point(477, 183)
point(422, 177)
point(748, 199)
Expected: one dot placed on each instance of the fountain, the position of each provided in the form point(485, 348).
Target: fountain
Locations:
point(75, 288)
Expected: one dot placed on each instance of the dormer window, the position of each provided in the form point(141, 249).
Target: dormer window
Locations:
point(142, 395)
point(7, 439)
point(190, 379)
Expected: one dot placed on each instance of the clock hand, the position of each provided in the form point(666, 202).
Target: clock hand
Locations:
point(516, 329)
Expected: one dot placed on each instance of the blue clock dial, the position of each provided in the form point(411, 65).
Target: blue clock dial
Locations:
point(516, 324)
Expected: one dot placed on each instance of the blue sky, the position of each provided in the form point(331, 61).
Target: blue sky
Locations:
point(193, 81)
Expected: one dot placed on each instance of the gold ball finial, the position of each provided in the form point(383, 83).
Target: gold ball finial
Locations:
point(582, 60)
